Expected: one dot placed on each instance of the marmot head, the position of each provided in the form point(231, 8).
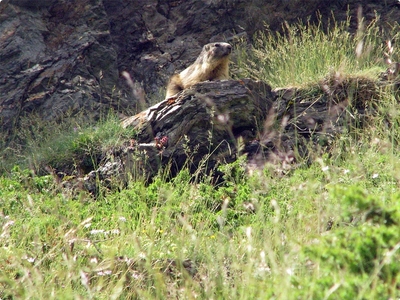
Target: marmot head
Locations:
point(215, 51)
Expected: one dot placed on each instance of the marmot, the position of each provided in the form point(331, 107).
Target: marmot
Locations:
point(212, 64)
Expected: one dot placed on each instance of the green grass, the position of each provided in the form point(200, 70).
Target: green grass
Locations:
point(304, 53)
point(324, 230)
point(77, 144)
point(58, 246)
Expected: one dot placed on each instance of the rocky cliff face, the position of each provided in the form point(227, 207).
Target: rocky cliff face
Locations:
point(64, 57)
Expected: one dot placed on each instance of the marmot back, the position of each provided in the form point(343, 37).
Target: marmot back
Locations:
point(212, 64)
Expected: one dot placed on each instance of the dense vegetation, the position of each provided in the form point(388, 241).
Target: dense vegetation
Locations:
point(325, 229)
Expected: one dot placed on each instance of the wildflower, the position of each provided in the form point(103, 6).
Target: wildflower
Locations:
point(96, 231)
point(248, 232)
point(104, 272)
point(114, 231)
point(84, 279)
point(29, 259)
point(135, 275)
point(94, 260)
point(223, 118)
point(8, 224)
point(289, 271)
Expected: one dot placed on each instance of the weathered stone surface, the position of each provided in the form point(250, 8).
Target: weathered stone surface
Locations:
point(32, 4)
point(214, 122)
point(200, 129)
point(55, 59)
point(61, 57)
point(203, 123)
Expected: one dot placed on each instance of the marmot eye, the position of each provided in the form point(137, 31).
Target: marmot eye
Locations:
point(217, 45)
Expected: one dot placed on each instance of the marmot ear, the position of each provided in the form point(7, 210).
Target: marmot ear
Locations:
point(207, 47)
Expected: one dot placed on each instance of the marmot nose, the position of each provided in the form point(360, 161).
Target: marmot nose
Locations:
point(229, 47)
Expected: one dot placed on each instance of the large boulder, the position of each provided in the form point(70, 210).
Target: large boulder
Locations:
point(213, 123)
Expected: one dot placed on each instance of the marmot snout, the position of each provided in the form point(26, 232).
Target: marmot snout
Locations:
point(212, 64)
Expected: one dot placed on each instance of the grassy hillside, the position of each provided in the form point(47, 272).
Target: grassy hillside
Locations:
point(324, 230)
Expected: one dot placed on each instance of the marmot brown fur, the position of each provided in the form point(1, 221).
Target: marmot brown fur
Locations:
point(212, 64)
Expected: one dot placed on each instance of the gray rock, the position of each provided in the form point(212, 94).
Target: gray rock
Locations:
point(55, 61)
point(64, 57)
point(32, 3)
